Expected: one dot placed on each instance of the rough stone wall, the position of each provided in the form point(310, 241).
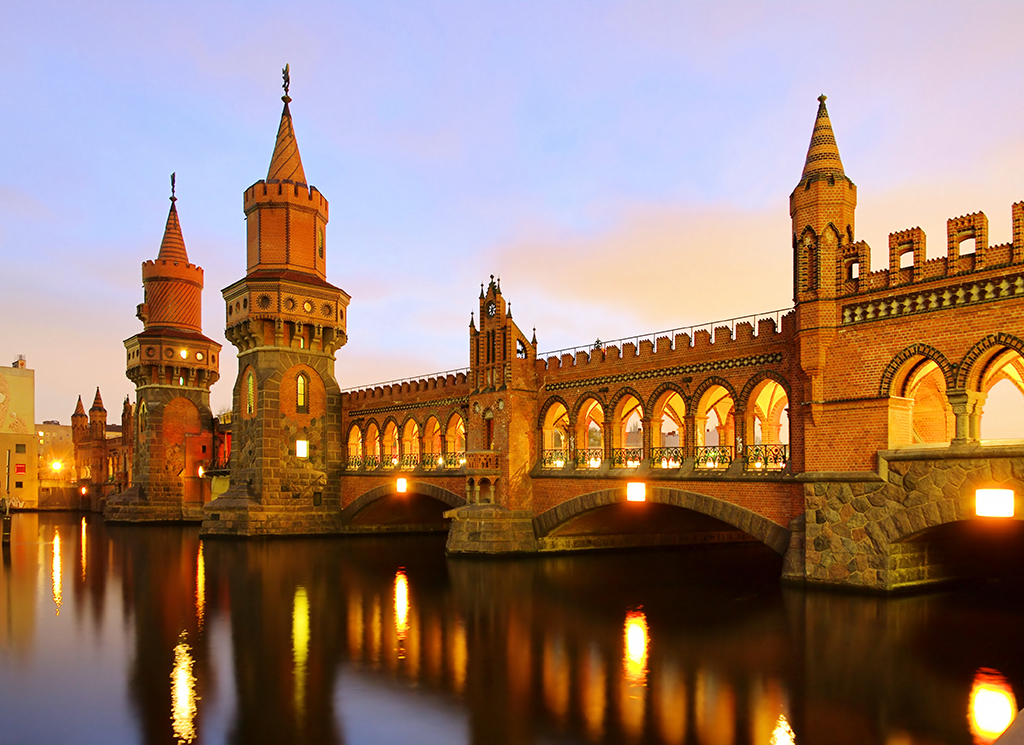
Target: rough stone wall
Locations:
point(856, 531)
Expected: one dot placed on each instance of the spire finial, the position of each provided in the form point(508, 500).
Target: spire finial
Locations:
point(286, 75)
point(822, 98)
point(173, 198)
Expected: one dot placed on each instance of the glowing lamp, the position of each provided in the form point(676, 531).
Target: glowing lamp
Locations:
point(56, 466)
point(636, 491)
point(201, 472)
point(84, 491)
point(183, 354)
point(993, 502)
point(401, 486)
point(992, 705)
point(302, 448)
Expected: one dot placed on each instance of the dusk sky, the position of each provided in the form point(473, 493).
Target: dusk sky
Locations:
point(624, 167)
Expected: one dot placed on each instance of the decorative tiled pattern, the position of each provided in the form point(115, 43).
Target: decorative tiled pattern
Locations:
point(941, 298)
point(700, 367)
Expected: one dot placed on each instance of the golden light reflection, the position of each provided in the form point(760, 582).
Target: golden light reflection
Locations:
point(555, 677)
point(401, 610)
point(460, 656)
point(783, 734)
point(300, 647)
point(83, 549)
point(993, 706)
point(183, 692)
point(635, 657)
point(671, 704)
point(58, 593)
point(200, 587)
point(593, 684)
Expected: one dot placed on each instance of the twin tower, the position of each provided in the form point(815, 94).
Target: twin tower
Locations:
point(286, 321)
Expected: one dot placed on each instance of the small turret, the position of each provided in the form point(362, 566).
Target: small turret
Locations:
point(79, 423)
point(98, 418)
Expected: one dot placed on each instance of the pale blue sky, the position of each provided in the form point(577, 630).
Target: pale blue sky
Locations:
point(624, 167)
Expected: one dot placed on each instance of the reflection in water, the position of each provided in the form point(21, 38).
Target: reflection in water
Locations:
point(84, 540)
point(183, 692)
point(401, 610)
point(300, 647)
point(783, 734)
point(636, 646)
point(200, 587)
point(58, 593)
point(592, 693)
point(716, 709)
point(671, 703)
point(634, 686)
point(993, 706)
point(459, 655)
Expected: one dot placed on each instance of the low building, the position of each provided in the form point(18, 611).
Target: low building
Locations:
point(19, 446)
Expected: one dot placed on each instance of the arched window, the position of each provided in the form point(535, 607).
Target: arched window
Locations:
point(250, 394)
point(301, 393)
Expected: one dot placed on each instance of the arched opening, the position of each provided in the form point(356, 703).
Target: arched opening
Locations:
point(628, 433)
point(301, 393)
point(431, 443)
point(250, 393)
point(389, 445)
point(590, 435)
point(371, 456)
point(555, 437)
point(767, 427)
point(965, 549)
point(1002, 415)
point(455, 442)
point(931, 417)
point(355, 448)
point(715, 428)
point(668, 431)
point(410, 445)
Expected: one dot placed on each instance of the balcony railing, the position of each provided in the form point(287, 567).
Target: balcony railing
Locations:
point(389, 462)
point(555, 458)
point(667, 458)
point(713, 456)
point(770, 457)
point(589, 457)
point(627, 457)
point(429, 460)
point(354, 463)
point(371, 462)
point(454, 461)
point(409, 461)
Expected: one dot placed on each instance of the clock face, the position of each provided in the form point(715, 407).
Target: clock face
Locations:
point(491, 309)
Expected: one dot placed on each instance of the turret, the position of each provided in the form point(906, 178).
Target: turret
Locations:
point(822, 208)
point(79, 423)
point(98, 418)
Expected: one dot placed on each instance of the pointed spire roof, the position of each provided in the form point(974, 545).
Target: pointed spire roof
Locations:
point(97, 403)
point(79, 409)
point(172, 248)
point(823, 154)
point(286, 165)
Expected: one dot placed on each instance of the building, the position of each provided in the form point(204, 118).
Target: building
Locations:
point(102, 452)
point(845, 433)
point(19, 445)
point(56, 466)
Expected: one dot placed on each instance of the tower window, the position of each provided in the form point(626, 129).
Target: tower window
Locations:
point(302, 393)
point(320, 242)
point(250, 394)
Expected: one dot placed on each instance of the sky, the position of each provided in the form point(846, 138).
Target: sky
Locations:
point(623, 167)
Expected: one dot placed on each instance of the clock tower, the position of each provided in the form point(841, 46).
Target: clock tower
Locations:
point(287, 321)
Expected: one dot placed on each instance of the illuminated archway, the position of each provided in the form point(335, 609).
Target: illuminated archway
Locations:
point(668, 430)
point(455, 442)
point(555, 436)
point(431, 443)
point(389, 445)
point(627, 431)
point(355, 448)
point(767, 426)
point(1002, 383)
point(714, 427)
point(589, 434)
point(371, 455)
point(922, 382)
point(410, 444)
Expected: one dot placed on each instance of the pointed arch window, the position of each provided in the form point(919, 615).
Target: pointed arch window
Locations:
point(250, 394)
point(302, 393)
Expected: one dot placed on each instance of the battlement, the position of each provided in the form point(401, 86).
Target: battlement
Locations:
point(693, 344)
point(291, 192)
point(446, 382)
point(855, 277)
point(164, 269)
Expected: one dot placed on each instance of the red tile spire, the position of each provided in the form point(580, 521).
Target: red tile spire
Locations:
point(286, 164)
point(823, 153)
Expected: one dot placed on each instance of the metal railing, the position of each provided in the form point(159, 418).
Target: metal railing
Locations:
point(713, 456)
point(354, 463)
point(554, 458)
point(668, 458)
point(731, 323)
point(454, 461)
point(769, 457)
point(589, 457)
point(409, 461)
point(403, 381)
point(429, 460)
point(627, 457)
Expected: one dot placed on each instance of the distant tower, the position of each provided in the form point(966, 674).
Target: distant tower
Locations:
point(173, 366)
point(287, 322)
point(97, 418)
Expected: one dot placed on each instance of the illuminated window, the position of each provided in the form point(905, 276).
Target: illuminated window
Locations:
point(183, 354)
point(19, 469)
point(250, 394)
point(302, 448)
point(301, 393)
point(320, 242)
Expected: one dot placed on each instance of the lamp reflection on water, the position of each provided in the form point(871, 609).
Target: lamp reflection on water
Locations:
point(635, 659)
point(83, 549)
point(992, 706)
point(300, 646)
point(200, 587)
point(783, 733)
point(58, 593)
point(401, 610)
point(183, 692)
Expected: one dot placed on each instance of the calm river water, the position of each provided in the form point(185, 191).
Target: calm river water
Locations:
point(112, 634)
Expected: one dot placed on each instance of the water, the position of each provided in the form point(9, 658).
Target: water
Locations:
point(112, 634)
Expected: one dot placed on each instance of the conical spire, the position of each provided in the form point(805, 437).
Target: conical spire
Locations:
point(172, 248)
point(97, 403)
point(79, 409)
point(286, 165)
point(823, 153)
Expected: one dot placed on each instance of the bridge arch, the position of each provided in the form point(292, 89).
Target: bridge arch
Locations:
point(770, 533)
point(441, 494)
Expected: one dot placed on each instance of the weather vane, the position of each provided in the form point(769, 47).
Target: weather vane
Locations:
point(173, 198)
point(287, 79)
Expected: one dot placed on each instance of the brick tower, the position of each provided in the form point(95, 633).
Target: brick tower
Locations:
point(287, 322)
point(173, 366)
point(822, 209)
